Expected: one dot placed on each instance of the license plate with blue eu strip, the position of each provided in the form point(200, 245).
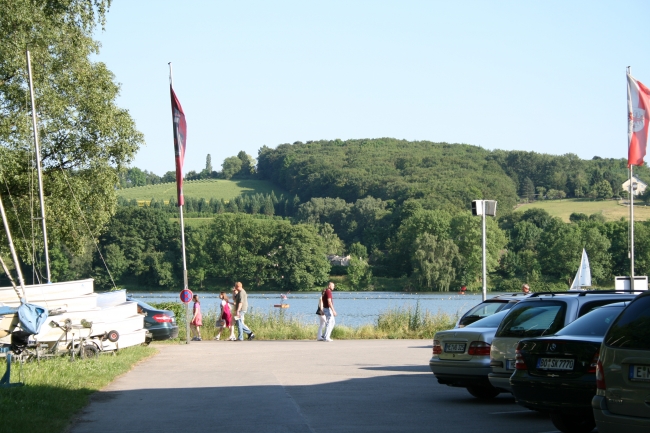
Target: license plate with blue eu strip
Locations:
point(640, 372)
point(455, 347)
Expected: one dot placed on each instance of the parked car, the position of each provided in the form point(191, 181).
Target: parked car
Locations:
point(557, 374)
point(622, 400)
point(160, 323)
point(538, 315)
point(461, 356)
point(489, 307)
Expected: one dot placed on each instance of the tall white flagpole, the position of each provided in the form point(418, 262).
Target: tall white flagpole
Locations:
point(180, 209)
point(629, 71)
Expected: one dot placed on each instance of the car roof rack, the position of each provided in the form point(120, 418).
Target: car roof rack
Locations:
point(586, 292)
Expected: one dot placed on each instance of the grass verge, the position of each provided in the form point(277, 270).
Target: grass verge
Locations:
point(56, 389)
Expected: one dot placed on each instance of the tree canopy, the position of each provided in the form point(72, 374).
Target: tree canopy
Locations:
point(85, 137)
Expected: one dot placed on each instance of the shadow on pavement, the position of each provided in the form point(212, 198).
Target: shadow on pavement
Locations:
point(394, 403)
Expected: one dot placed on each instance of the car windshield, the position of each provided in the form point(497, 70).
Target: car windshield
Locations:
point(532, 319)
point(595, 323)
point(482, 310)
point(631, 330)
point(492, 321)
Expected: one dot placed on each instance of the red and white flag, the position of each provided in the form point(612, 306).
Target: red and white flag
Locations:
point(638, 117)
point(180, 136)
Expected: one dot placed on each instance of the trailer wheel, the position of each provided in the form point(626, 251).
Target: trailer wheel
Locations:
point(113, 336)
point(90, 351)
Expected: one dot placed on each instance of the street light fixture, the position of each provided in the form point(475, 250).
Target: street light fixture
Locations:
point(484, 207)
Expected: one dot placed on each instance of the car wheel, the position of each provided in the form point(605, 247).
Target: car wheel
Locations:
point(578, 422)
point(483, 392)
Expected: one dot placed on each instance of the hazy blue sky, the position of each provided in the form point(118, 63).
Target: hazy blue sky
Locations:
point(546, 76)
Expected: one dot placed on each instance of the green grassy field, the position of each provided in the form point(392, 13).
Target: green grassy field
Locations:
point(207, 189)
point(612, 210)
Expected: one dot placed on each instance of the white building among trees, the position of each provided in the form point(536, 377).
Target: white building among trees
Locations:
point(638, 186)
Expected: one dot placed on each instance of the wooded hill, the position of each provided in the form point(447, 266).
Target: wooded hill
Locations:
point(399, 209)
point(439, 175)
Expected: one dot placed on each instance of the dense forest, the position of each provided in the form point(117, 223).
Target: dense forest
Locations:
point(399, 209)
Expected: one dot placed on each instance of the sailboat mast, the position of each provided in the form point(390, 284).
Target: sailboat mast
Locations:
point(39, 170)
point(14, 256)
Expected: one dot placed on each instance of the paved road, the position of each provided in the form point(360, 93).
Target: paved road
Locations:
point(296, 386)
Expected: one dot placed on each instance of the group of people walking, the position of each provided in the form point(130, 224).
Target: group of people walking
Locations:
point(225, 320)
point(325, 311)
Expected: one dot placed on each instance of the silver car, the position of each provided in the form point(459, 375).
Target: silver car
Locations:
point(622, 400)
point(461, 356)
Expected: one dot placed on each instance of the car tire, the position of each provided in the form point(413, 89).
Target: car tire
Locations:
point(576, 422)
point(483, 392)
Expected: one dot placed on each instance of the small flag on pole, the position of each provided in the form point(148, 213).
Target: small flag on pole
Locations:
point(180, 136)
point(638, 117)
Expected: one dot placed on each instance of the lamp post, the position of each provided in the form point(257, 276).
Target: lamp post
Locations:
point(484, 207)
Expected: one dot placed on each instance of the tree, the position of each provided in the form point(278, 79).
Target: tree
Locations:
point(230, 167)
point(208, 164)
point(603, 190)
point(359, 273)
point(143, 239)
point(247, 164)
point(170, 176)
point(435, 262)
point(84, 136)
point(333, 244)
point(528, 189)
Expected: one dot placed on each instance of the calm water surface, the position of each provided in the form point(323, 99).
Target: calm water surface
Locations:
point(353, 308)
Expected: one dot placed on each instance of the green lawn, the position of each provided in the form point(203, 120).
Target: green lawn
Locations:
point(207, 189)
point(612, 210)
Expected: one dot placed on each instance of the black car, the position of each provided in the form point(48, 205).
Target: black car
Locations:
point(161, 323)
point(557, 373)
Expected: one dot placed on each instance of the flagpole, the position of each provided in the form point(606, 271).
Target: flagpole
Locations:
point(180, 209)
point(631, 194)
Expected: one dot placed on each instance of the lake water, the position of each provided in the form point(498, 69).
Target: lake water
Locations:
point(353, 308)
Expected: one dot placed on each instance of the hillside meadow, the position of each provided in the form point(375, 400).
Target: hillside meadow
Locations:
point(205, 188)
point(612, 210)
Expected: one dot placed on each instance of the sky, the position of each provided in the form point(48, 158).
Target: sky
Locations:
point(537, 76)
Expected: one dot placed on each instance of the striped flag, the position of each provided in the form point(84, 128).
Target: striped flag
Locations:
point(638, 104)
point(180, 137)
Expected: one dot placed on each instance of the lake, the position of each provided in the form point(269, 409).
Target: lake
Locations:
point(353, 308)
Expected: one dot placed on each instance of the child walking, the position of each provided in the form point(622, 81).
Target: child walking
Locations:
point(226, 318)
point(197, 319)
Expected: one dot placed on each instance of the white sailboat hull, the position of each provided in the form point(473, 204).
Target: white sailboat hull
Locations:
point(46, 292)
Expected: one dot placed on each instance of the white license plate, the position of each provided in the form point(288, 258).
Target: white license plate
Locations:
point(640, 372)
point(455, 347)
point(555, 364)
point(510, 364)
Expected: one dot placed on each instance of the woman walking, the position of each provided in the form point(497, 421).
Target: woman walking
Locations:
point(320, 336)
point(226, 318)
point(197, 319)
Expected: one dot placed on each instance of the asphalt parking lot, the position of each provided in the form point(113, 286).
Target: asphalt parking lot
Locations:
point(296, 386)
